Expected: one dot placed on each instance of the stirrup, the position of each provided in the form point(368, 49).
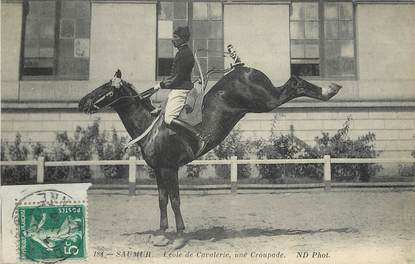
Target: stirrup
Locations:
point(201, 148)
point(180, 125)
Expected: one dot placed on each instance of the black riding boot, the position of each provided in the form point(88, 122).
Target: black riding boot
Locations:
point(182, 127)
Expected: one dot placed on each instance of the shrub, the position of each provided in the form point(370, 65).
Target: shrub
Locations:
point(64, 149)
point(3, 150)
point(340, 145)
point(194, 171)
point(3, 157)
point(134, 150)
point(16, 152)
point(232, 146)
point(57, 152)
point(112, 150)
point(408, 170)
point(89, 141)
point(286, 147)
point(82, 146)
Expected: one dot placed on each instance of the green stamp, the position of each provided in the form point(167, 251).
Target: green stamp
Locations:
point(52, 233)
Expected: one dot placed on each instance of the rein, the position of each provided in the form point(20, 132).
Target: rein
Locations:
point(141, 96)
point(203, 79)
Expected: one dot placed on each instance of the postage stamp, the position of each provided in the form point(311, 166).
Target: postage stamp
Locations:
point(51, 233)
point(45, 223)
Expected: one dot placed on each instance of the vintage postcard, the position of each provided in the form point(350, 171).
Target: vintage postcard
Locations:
point(217, 131)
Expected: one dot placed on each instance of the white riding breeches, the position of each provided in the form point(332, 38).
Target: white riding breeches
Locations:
point(175, 103)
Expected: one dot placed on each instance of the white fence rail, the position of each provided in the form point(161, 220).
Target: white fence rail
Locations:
point(132, 162)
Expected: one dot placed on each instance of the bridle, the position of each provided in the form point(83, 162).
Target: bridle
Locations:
point(111, 93)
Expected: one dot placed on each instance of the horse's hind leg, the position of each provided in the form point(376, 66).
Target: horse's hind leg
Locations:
point(174, 195)
point(304, 88)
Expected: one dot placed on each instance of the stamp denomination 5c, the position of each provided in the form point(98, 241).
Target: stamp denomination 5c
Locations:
point(52, 233)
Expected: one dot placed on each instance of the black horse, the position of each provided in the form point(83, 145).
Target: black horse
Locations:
point(243, 90)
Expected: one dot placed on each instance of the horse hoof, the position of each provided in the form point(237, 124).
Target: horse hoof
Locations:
point(160, 241)
point(179, 243)
point(334, 89)
point(329, 92)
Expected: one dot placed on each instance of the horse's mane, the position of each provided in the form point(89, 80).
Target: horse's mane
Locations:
point(132, 91)
point(146, 102)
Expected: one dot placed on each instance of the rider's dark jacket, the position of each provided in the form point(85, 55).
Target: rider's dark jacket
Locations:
point(180, 77)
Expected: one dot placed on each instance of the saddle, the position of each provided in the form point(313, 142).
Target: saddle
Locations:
point(192, 111)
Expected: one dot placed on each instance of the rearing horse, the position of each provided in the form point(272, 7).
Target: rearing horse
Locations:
point(243, 90)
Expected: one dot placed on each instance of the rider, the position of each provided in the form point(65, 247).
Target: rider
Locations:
point(179, 82)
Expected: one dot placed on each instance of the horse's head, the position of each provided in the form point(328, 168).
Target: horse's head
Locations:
point(110, 94)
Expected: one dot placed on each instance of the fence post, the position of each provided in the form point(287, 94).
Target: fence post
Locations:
point(234, 174)
point(132, 169)
point(327, 172)
point(40, 174)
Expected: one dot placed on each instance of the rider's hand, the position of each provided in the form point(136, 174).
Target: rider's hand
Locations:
point(157, 87)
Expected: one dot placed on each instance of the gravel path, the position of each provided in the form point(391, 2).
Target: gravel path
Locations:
point(368, 226)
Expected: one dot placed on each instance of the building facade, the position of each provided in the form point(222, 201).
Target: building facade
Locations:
point(55, 51)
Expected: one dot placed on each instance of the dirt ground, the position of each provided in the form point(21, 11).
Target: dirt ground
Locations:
point(354, 226)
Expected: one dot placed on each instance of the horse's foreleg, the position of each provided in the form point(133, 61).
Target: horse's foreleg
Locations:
point(174, 195)
point(160, 238)
point(163, 200)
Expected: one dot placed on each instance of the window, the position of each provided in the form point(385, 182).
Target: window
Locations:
point(170, 16)
point(56, 39)
point(205, 20)
point(322, 39)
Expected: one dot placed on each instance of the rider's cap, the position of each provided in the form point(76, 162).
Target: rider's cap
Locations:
point(183, 33)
